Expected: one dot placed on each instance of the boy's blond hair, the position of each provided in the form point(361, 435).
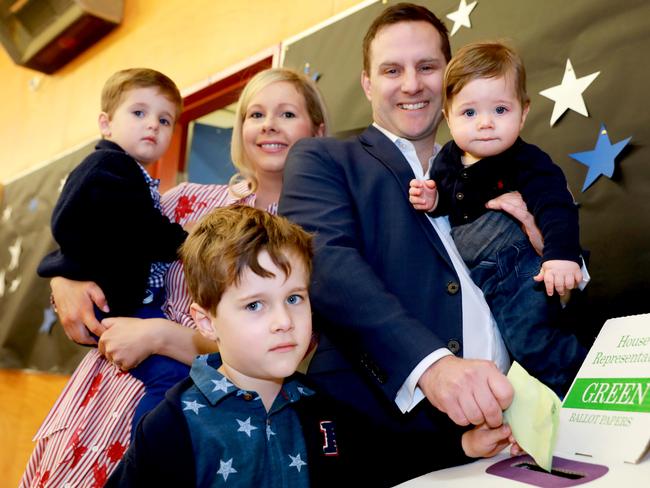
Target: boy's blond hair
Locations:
point(483, 60)
point(229, 240)
point(128, 79)
point(313, 102)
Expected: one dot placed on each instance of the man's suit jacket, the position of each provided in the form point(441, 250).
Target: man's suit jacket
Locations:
point(384, 291)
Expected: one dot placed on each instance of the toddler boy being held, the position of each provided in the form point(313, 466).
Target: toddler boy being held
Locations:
point(485, 106)
point(107, 221)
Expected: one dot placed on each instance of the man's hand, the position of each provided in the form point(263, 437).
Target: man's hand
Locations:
point(423, 194)
point(559, 275)
point(74, 303)
point(470, 391)
point(513, 204)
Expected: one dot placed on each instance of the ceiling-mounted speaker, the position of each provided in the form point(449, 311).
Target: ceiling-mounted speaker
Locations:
point(44, 35)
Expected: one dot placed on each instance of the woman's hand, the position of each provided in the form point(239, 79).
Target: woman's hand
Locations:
point(74, 304)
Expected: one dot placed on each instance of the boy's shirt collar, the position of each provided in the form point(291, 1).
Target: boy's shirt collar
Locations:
point(215, 386)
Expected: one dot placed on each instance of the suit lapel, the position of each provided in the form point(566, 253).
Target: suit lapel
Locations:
point(383, 150)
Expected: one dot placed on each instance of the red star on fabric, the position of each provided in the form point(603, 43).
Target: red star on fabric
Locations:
point(115, 451)
point(77, 454)
point(43, 479)
point(100, 474)
point(185, 206)
point(92, 391)
point(74, 440)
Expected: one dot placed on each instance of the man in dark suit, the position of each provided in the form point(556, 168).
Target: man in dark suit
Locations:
point(407, 337)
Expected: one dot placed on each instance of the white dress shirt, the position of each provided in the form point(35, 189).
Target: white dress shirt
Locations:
point(481, 337)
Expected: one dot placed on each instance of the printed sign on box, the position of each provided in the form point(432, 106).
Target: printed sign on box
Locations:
point(607, 410)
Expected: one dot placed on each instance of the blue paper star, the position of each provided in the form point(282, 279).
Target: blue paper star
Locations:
point(33, 205)
point(600, 160)
point(49, 317)
point(307, 71)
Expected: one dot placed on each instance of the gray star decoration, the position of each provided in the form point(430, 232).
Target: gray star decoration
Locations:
point(296, 462)
point(222, 385)
point(245, 426)
point(226, 469)
point(194, 406)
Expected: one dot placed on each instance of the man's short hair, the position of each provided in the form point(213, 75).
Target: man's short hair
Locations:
point(404, 12)
point(229, 240)
point(128, 79)
point(483, 60)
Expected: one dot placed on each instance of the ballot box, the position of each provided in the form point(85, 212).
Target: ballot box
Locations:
point(604, 423)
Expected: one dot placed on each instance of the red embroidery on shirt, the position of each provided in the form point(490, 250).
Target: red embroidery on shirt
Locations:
point(185, 206)
point(100, 474)
point(44, 477)
point(77, 454)
point(92, 391)
point(74, 440)
point(115, 451)
point(500, 185)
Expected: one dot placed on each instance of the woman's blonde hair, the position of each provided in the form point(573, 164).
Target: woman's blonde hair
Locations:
point(315, 109)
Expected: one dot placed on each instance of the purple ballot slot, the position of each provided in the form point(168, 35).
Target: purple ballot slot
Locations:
point(565, 472)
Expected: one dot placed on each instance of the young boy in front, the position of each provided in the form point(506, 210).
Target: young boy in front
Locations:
point(107, 221)
point(485, 104)
point(244, 417)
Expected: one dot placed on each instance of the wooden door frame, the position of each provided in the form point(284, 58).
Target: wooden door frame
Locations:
point(217, 92)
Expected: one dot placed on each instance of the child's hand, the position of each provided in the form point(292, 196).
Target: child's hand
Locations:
point(484, 441)
point(423, 194)
point(559, 275)
point(127, 341)
point(189, 226)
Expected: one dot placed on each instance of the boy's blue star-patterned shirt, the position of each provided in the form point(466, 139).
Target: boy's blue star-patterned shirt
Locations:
point(236, 442)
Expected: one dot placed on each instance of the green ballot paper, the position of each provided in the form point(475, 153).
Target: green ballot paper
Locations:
point(533, 416)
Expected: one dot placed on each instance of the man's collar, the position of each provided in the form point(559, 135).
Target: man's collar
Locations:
point(404, 145)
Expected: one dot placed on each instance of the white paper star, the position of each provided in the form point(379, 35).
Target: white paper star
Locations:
point(14, 252)
point(461, 16)
point(2, 283)
point(269, 432)
point(296, 462)
point(6, 214)
point(194, 406)
point(568, 94)
point(49, 317)
point(245, 426)
point(61, 183)
point(226, 469)
point(13, 286)
point(221, 385)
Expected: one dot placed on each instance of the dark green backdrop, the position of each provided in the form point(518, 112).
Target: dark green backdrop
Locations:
point(596, 35)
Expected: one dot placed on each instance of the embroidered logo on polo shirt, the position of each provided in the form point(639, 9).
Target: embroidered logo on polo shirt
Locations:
point(327, 427)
